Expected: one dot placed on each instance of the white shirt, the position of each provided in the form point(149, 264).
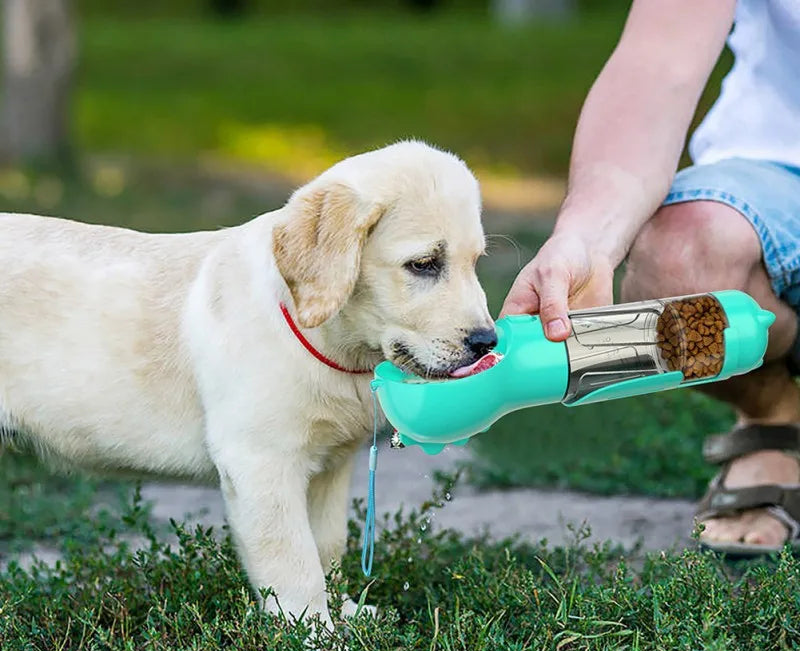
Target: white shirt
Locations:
point(757, 114)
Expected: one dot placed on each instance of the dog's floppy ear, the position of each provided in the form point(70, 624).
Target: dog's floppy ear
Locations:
point(318, 250)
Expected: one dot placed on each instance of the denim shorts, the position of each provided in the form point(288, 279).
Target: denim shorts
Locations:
point(768, 196)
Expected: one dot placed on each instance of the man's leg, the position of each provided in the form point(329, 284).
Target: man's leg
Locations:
point(702, 246)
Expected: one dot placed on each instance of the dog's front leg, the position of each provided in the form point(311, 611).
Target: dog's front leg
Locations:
point(328, 493)
point(265, 499)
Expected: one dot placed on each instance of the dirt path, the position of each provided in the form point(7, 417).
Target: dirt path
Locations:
point(406, 477)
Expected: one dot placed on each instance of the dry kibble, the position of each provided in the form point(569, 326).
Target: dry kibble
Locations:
point(689, 336)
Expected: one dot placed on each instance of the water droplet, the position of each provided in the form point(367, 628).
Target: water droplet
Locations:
point(410, 560)
point(448, 497)
point(423, 527)
point(405, 586)
point(419, 540)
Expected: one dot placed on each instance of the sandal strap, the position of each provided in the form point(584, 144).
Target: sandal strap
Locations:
point(720, 501)
point(722, 448)
point(788, 521)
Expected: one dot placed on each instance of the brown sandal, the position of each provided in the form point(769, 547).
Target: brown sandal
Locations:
point(782, 501)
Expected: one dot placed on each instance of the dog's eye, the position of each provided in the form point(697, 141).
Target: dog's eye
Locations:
point(424, 266)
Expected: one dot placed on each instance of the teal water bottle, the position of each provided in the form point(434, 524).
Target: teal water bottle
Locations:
point(613, 352)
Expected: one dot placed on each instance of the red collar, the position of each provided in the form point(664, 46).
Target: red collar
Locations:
point(310, 348)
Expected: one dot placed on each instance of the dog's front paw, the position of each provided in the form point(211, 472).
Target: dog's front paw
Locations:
point(350, 608)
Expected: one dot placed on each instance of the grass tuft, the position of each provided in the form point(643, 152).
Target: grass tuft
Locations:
point(435, 591)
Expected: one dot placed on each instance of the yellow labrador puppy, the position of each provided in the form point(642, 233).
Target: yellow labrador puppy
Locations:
point(243, 356)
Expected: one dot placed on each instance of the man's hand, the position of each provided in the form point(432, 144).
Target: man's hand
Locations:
point(565, 274)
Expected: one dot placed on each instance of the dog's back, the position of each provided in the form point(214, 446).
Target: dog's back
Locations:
point(91, 365)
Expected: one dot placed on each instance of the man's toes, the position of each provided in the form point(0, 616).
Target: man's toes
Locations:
point(764, 529)
point(752, 527)
point(710, 529)
point(720, 530)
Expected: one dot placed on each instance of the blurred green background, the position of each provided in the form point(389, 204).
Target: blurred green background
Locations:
point(190, 114)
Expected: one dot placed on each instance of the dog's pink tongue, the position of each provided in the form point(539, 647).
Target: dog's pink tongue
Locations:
point(484, 363)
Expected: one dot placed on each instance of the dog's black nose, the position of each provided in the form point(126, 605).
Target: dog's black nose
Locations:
point(481, 341)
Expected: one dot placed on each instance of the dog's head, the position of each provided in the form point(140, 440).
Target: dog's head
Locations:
point(387, 241)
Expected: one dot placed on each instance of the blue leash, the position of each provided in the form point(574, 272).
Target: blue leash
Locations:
point(368, 544)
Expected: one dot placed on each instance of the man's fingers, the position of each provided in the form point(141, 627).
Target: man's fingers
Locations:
point(544, 292)
point(553, 306)
point(521, 299)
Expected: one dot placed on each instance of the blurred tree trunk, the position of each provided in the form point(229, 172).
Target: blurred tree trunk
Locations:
point(521, 11)
point(39, 53)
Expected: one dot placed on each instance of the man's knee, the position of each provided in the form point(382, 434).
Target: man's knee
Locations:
point(691, 247)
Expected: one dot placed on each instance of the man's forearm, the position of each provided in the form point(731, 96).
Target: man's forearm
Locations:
point(634, 122)
point(626, 150)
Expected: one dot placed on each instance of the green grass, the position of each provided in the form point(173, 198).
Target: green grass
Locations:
point(646, 445)
point(339, 83)
point(294, 92)
point(36, 504)
point(148, 196)
point(435, 592)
